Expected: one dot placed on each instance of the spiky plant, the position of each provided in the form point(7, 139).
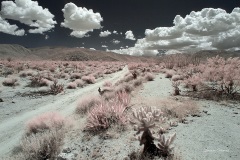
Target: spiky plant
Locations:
point(164, 144)
point(146, 116)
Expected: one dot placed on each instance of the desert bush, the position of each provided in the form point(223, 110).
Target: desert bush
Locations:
point(193, 82)
point(180, 60)
point(223, 75)
point(10, 81)
point(107, 84)
point(72, 85)
point(177, 77)
point(128, 77)
point(7, 71)
point(108, 113)
point(44, 145)
point(56, 88)
point(46, 121)
point(75, 76)
point(137, 82)
point(149, 77)
point(179, 109)
point(38, 81)
point(79, 82)
point(169, 73)
point(175, 85)
point(125, 87)
point(85, 104)
point(89, 79)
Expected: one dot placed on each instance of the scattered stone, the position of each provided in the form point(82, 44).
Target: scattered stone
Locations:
point(205, 111)
point(66, 150)
point(196, 115)
point(61, 158)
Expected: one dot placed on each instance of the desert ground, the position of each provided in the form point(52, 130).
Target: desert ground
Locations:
point(94, 110)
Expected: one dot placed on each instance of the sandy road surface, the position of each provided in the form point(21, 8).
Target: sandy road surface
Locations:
point(12, 128)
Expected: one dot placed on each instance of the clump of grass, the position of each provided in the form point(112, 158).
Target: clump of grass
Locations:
point(179, 109)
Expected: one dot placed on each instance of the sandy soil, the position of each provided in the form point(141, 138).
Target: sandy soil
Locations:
point(213, 136)
point(16, 110)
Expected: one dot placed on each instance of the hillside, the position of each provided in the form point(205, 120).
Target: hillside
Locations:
point(15, 51)
point(18, 52)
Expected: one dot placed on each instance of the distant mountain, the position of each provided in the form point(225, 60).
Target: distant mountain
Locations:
point(213, 53)
point(16, 51)
point(62, 53)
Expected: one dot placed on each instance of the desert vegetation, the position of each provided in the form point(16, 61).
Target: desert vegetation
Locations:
point(106, 111)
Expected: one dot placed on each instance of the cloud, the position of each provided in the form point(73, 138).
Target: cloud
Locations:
point(105, 33)
point(80, 20)
point(104, 46)
point(7, 28)
point(115, 32)
point(30, 13)
point(129, 35)
point(46, 37)
point(136, 51)
point(115, 41)
point(206, 29)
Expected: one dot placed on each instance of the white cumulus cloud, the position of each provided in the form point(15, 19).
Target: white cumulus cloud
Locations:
point(115, 41)
point(80, 20)
point(104, 46)
point(206, 29)
point(5, 27)
point(115, 32)
point(136, 51)
point(129, 35)
point(30, 13)
point(105, 33)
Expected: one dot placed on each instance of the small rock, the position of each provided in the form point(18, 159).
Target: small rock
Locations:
point(235, 112)
point(66, 150)
point(205, 111)
point(61, 158)
point(1, 100)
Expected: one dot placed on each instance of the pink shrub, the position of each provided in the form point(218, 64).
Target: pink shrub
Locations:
point(75, 76)
point(177, 77)
point(193, 81)
point(223, 75)
point(10, 81)
point(86, 104)
point(169, 73)
point(104, 115)
point(137, 82)
point(107, 84)
point(149, 77)
point(72, 85)
point(44, 82)
point(79, 82)
point(89, 79)
point(125, 87)
point(46, 121)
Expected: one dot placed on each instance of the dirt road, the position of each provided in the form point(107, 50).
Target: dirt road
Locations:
point(12, 128)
